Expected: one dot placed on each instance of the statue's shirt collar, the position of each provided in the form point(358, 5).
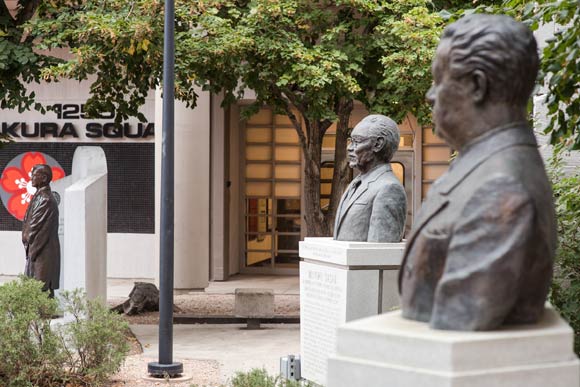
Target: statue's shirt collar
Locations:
point(373, 174)
point(481, 149)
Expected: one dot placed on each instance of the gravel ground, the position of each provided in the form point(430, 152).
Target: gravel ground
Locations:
point(204, 373)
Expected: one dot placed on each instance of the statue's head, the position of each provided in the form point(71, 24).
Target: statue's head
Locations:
point(373, 141)
point(41, 175)
point(484, 71)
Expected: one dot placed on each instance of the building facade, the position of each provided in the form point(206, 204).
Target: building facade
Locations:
point(238, 183)
point(52, 138)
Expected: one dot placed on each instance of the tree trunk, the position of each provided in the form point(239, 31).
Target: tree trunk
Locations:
point(311, 134)
point(341, 174)
point(316, 224)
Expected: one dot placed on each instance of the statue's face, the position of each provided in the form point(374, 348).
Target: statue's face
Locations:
point(450, 97)
point(37, 179)
point(361, 148)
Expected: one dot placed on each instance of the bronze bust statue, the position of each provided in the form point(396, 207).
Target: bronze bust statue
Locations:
point(40, 232)
point(481, 250)
point(374, 206)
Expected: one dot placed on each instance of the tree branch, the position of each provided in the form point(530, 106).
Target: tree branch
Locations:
point(27, 11)
point(292, 98)
point(297, 126)
point(289, 96)
point(324, 125)
point(295, 122)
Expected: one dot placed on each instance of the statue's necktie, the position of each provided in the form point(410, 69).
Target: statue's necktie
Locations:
point(356, 183)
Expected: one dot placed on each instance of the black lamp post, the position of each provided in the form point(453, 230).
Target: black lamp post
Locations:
point(165, 366)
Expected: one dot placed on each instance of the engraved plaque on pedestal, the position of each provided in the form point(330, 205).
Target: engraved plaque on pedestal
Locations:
point(340, 282)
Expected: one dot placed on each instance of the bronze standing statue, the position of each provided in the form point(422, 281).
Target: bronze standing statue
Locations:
point(40, 232)
point(481, 251)
point(374, 206)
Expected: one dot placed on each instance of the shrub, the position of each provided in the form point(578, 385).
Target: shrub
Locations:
point(260, 378)
point(565, 291)
point(94, 342)
point(30, 352)
point(35, 353)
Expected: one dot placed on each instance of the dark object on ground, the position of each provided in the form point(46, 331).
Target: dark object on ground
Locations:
point(143, 298)
point(482, 247)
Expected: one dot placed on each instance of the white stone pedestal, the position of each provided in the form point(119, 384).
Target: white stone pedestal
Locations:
point(340, 282)
point(83, 223)
point(388, 350)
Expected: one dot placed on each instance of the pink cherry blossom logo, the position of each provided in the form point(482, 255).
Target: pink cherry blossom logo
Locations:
point(16, 190)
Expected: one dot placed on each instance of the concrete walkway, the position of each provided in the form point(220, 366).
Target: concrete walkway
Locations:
point(232, 346)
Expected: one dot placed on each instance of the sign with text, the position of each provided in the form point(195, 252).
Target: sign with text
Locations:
point(67, 121)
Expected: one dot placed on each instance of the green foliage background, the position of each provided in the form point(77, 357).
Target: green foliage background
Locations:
point(560, 66)
point(560, 60)
point(565, 293)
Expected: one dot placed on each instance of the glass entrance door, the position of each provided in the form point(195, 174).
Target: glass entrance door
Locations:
point(272, 176)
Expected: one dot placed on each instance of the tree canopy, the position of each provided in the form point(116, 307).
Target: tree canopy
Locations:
point(19, 63)
point(308, 59)
point(378, 52)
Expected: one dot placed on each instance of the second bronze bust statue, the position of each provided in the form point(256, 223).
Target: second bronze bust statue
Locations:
point(374, 206)
point(481, 250)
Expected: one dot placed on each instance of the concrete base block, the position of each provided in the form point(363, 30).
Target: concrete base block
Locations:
point(389, 350)
point(254, 303)
point(339, 282)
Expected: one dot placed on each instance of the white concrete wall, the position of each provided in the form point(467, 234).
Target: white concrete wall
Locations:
point(219, 192)
point(12, 257)
point(236, 216)
point(128, 255)
point(192, 187)
point(132, 256)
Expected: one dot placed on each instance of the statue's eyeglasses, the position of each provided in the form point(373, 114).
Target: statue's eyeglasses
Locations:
point(357, 140)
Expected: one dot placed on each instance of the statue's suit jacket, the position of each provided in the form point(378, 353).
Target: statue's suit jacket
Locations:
point(377, 210)
point(40, 238)
point(482, 247)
